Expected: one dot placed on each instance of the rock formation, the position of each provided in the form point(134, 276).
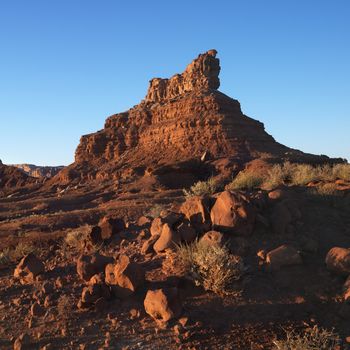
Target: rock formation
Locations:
point(39, 171)
point(181, 119)
point(11, 177)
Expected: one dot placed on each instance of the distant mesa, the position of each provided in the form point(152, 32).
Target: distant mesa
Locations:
point(39, 171)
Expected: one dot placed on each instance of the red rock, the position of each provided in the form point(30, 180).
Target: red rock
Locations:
point(213, 238)
point(110, 226)
point(37, 310)
point(187, 232)
point(47, 287)
point(22, 342)
point(156, 227)
point(124, 277)
point(284, 255)
point(163, 304)
point(280, 218)
point(147, 247)
point(168, 238)
point(196, 210)
point(144, 221)
point(233, 213)
point(338, 260)
point(28, 269)
point(93, 292)
point(89, 265)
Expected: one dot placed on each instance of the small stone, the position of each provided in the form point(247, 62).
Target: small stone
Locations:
point(37, 310)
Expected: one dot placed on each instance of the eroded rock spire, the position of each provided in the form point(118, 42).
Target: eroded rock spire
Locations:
point(201, 74)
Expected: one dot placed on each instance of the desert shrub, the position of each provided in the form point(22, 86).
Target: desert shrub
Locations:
point(5, 256)
point(341, 171)
point(75, 241)
point(14, 254)
point(313, 339)
point(22, 249)
point(246, 181)
point(210, 266)
point(65, 306)
point(203, 188)
point(328, 189)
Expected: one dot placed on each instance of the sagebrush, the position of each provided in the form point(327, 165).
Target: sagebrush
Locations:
point(202, 188)
point(315, 338)
point(211, 266)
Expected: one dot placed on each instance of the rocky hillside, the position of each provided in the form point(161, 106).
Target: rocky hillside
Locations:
point(11, 177)
point(39, 171)
point(181, 119)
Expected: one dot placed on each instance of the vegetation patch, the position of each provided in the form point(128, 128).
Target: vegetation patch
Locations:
point(313, 339)
point(203, 188)
point(210, 266)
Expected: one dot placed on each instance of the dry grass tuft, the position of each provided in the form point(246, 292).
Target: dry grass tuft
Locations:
point(245, 181)
point(8, 255)
point(313, 339)
point(210, 266)
point(202, 188)
point(65, 307)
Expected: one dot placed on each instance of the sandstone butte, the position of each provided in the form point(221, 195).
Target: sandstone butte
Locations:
point(181, 120)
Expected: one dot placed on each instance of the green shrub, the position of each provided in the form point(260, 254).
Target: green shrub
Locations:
point(202, 188)
point(245, 181)
point(210, 266)
point(313, 339)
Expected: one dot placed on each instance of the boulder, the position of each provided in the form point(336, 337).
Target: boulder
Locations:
point(37, 310)
point(28, 269)
point(93, 292)
point(212, 238)
point(124, 277)
point(23, 342)
point(144, 221)
point(89, 265)
point(338, 260)
point(285, 255)
point(233, 213)
point(163, 304)
point(186, 232)
point(280, 218)
point(147, 247)
point(168, 238)
point(94, 235)
point(156, 226)
point(110, 226)
point(196, 210)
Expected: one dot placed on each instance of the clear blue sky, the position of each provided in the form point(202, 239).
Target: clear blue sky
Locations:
point(67, 65)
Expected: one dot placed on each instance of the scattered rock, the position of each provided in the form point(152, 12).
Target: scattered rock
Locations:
point(22, 342)
point(37, 310)
point(110, 226)
point(163, 304)
point(338, 260)
point(187, 232)
point(284, 255)
point(233, 213)
point(156, 227)
point(93, 292)
point(196, 210)
point(168, 238)
point(147, 247)
point(28, 269)
point(124, 277)
point(213, 238)
point(89, 265)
